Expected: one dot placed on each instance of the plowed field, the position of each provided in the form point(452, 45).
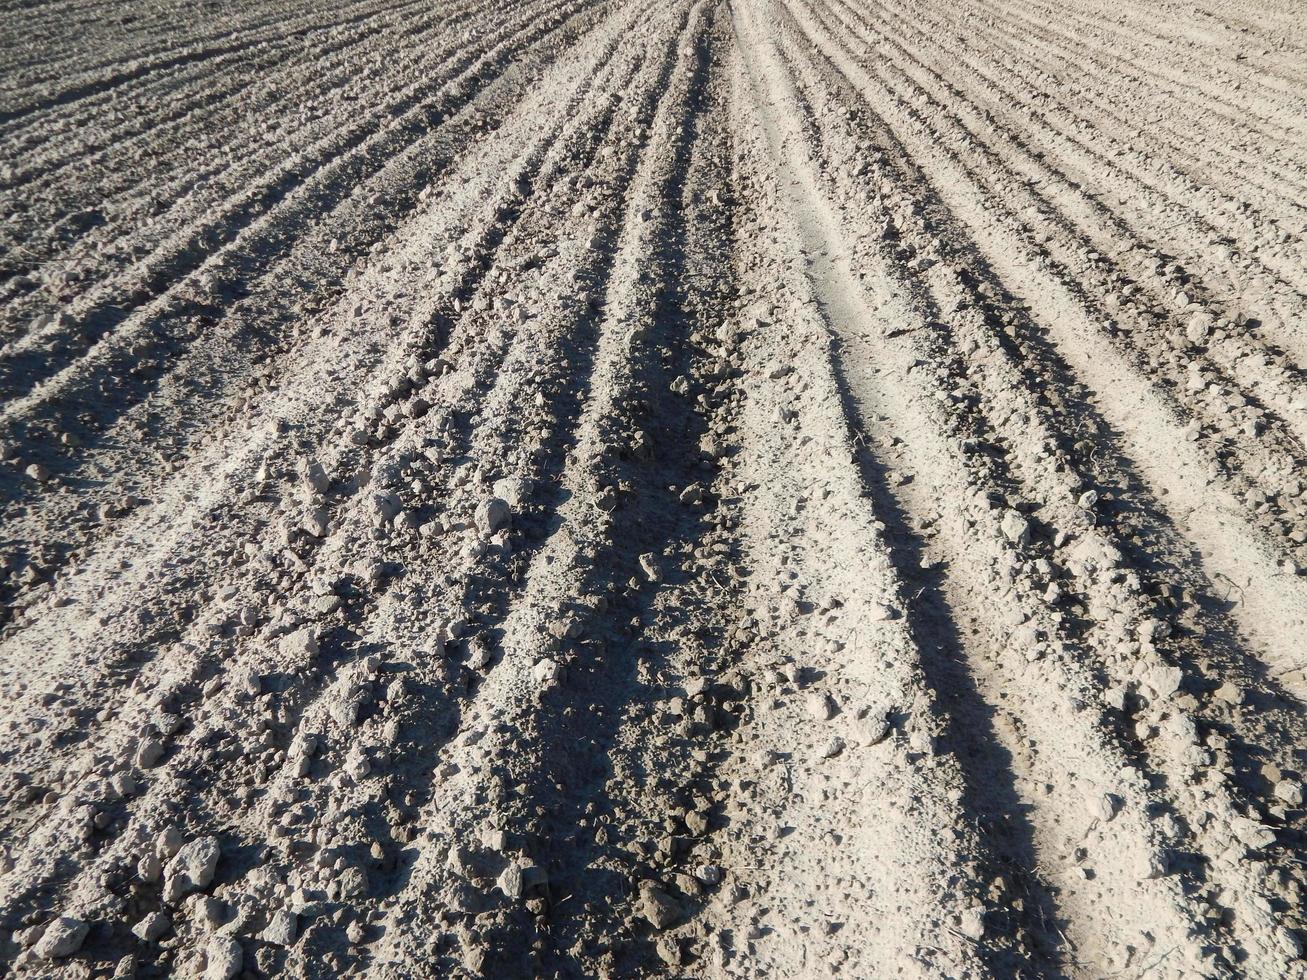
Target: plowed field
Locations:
point(733, 488)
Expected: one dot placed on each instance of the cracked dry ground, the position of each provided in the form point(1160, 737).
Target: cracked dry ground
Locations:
point(717, 488)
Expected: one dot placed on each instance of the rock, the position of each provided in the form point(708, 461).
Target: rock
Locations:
point(316, 522)
point(352, 883)
point(878, 612)
point(1288, 941)
point(1251, 833)
point(192, 868)
point(821, 706)
point(1229, 693)
point(649, 565)
point(972, 923)
point(1289, 791)
point(281, 928)
point(832, 748)
point(1016, 529)
point(148, 752)
point(152, 927)
point(511, 881)
point(385, 508)
point(491, 515)
point(874, 726)
point(1164, 680)
point(513, 490)
point(658, 908)
point(223, 958)
point(170, 841)
point(313, 476)
point(1107, 807)
point(149, 868)
point(62, 937)
point(299, 645)
point(547, 673)
point(1199, 328)
point(709, 874)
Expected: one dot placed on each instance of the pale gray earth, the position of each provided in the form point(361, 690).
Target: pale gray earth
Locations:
point(735, 488)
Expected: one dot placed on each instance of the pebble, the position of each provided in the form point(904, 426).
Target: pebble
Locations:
point(1289, 791)
point(709, 874)
point(491, 515)
point(352, 883)
point(62, 937)
point(192, 868)
point(314, 477)
point(152, 927)
point(874, 726)
point(224, 958)
point(659, 909)
point(547, 673)
point(1199, 328)
point(513, 490)
point(281, 928)
point(300, 644)
point(832, 748)
point(821, 706)
point(878, 612)
point(649, 565)
point(149, 752)
point(1016, 529)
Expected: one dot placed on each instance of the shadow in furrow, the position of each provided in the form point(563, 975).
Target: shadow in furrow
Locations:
point(970, 732)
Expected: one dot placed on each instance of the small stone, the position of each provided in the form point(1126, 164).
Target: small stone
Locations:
point(192, 867)
point(148, 752)
point(313, 476)
point(224, 958)
point(657, 907)
point(1288, 941)
point(821, 706)
point(649, 565)
point(1289, 791)
point(62, 937)
point(298, 645)
point(1229, 693)
point(878, 612)
point(1199, 328)
point(491, 515)
point(152, 927)
point(513, 490)
point(547, 673)
point(317, 522)
point(1251, 833)
point(972, 923)
point(874, 727)
point(1016, 529)
point(281, 928)
point(511, 881)
point(149, 868)
point(709, 874)
point(353, 883)
point(1107, 807)
point(832, 748)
